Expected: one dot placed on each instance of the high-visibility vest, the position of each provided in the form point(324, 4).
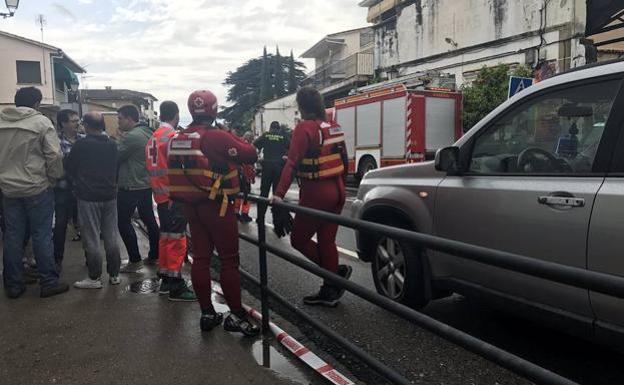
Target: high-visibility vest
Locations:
point(325, 160)
point(193, 178)
point(156, 162)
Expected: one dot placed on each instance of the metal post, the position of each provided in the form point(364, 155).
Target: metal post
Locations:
point(264, 279)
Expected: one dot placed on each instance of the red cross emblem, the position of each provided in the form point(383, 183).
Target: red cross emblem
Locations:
point(199, 102)
point(153, 152)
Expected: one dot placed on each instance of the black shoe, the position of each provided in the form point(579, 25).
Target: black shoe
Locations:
point(15, 293)
point(240, 323)
point(50, 291)
point(327, 296)
point(345, 272)
point(150, 261)
point(238, 216)
point(165, 287)
point(208, 321)
point(245, 218)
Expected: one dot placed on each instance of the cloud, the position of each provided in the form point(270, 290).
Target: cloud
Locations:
point(169, 48)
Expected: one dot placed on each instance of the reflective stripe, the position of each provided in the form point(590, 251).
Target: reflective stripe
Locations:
point(337, 139)
point(186, 152)
point(158, 172)
point(315, 175)
point(202, 172)
point(173, 235)
point(169, 273)
point(323, 159)
point(191, 188)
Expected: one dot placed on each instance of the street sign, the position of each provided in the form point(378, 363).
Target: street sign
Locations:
point(517, 84)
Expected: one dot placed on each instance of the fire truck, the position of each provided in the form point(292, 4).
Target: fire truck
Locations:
point(397, 125)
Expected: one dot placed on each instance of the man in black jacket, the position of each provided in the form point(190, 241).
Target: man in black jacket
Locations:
point(92, 166)
point(274, 145)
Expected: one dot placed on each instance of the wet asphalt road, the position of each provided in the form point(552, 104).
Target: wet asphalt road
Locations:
point(419, 355)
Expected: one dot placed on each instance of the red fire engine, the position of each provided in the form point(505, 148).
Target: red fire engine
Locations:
point(396, 125)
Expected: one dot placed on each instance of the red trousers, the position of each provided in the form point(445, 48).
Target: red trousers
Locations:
point(241, 206)
point(209, 231)
point(327, 195)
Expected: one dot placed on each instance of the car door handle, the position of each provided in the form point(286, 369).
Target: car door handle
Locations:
point(561, 200)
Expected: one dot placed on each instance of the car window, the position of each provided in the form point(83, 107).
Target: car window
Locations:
point(558, 132)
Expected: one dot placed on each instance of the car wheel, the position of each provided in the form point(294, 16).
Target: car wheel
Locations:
point(398, 272)
point(367, 164)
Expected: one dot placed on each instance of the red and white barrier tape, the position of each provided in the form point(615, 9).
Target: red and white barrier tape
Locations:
point(298, 349)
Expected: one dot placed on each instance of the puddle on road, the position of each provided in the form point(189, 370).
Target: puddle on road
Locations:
point(268, 356)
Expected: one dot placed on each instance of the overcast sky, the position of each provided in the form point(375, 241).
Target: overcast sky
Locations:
point(171, 47)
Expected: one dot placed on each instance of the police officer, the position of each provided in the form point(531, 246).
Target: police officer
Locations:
point(274, 145)
point(203, 174)
point(318, 157)
point(172, 241)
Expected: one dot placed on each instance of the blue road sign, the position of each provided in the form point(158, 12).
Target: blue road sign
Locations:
point(517, 84)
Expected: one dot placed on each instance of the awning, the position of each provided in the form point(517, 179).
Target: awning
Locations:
point(63, 75)
point(604, 16)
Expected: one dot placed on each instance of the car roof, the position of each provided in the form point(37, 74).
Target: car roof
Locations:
point(585, 72)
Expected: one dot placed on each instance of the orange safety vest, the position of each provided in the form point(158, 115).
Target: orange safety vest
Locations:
point(193, 178)
point(156, 162)
point(324, 161)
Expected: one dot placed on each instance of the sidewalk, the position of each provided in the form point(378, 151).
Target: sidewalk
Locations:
point(115, 336)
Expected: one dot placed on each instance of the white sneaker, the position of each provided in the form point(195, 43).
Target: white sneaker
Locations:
point(88, 283)
point(114, 280)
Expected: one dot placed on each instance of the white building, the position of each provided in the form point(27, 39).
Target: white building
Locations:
point(25, 62)
point(459, 37)
point(283, 110)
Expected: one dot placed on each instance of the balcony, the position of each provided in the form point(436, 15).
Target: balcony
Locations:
point(359, 64)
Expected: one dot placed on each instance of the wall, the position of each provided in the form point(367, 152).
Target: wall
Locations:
point(491, 31)
point(283, 110)
point(12, 50)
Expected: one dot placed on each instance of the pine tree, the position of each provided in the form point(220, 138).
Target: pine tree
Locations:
point(279, 76)
point(265, 79)
point(292, 77)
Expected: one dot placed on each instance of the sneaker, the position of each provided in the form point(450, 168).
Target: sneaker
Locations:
point(186, 295)
point(209, 321)
point(50, 291)
point(88, 283)
point(245, 218)
point(165, 287)
point(327, 296)
point(114, 280)
point(345, 272)
point(240, 323)
point(131, 268)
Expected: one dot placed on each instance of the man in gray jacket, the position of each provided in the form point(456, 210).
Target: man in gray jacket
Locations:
point(30, 163)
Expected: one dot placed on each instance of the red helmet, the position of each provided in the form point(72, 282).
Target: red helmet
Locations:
point(203, 103)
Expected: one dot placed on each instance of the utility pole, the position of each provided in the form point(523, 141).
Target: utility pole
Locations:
point(41, 20)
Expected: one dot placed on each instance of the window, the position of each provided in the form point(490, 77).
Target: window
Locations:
point(28, 72)
point(558, 132)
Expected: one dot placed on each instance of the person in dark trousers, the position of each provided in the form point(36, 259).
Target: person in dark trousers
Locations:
point(135, 191)
point(92, 166)
point(64, 200)
point(274, 145)
point(30, 163)
point(318, 158)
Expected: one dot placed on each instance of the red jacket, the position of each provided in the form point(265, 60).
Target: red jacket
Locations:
point(156, 162)
point(306, 136)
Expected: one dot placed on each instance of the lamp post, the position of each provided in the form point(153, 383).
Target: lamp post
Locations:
point(11, 5)
point(76, 92)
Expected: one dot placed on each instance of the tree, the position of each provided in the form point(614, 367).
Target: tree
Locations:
point(278, 78)
point(292, 76)
point(265, 76)
point(245, 88)
point(488, 91)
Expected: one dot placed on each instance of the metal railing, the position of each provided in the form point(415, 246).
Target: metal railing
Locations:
point(599, 282)
point(335, 71)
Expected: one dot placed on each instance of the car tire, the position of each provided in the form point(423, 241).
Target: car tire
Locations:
point(398, 272)
point(367, 164)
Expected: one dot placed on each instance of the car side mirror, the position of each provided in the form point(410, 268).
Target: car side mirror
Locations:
point(447, 160)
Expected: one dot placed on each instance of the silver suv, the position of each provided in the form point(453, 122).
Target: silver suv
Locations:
point(542, 176)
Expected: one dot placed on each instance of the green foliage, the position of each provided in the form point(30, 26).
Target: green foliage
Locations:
point(250, 85)
point(488, 91)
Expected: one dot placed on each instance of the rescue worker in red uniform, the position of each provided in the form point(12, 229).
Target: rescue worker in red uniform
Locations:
point(318, 158)
point(248, 177)
point(203, 174)
point(172, 242)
